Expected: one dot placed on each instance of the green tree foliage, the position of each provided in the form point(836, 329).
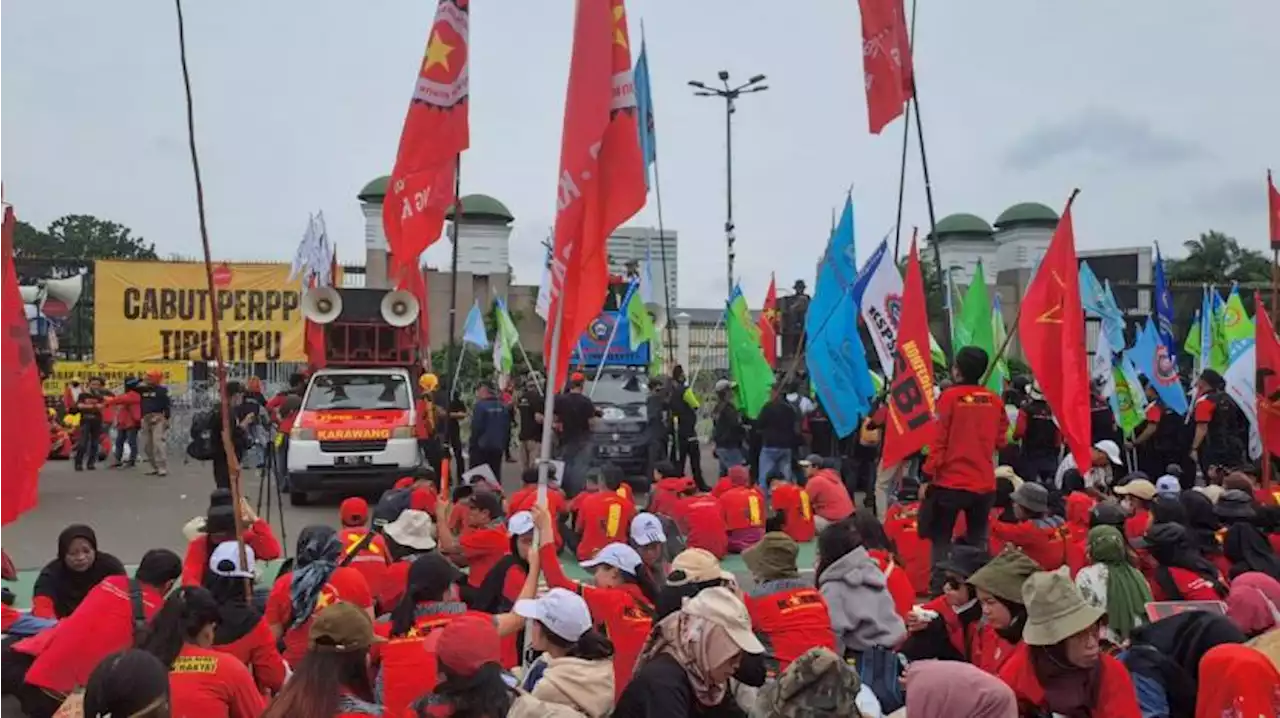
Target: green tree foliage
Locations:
point(1216, 258)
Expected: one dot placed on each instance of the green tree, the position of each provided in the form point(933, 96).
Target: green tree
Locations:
point(1216, 258)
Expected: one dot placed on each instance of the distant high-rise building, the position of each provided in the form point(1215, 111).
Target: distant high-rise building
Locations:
point(628, 244)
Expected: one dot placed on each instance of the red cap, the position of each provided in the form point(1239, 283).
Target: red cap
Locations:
point(577, 376)
point(423, 500)
point(739, 475)
point(354, 511)
point(404, 483)
point(467, 643)
point(676, 484)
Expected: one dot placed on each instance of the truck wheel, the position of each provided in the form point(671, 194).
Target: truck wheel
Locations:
point(299, 498)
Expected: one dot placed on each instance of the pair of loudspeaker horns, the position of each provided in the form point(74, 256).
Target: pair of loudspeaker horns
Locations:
point(324, 305)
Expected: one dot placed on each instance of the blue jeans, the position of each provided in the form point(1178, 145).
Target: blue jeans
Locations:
point(771, 458)
point(729, 456)
point(129, 437)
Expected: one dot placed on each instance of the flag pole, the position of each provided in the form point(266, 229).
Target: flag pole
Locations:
point(228, 448)
point(457, 372)
point(906, 138)
point(453, 275)
point(662, 239)
point(613, 334)
point(706, 348)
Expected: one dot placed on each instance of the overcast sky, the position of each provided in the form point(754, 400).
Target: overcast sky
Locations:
point(1164, 112)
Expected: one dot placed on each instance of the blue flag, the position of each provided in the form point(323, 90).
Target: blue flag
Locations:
point(836, 272)
point(1207, 317)
point(1099, 303)
point(644, 111)
point(1164, 308)
point(473, 331)
point(1154, 360)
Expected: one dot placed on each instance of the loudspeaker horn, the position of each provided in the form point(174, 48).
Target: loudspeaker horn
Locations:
point(61, 296)
point(322, 305)
point(400, 309)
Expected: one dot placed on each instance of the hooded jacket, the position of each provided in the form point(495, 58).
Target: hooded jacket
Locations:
point(860, 605)
point(585, 685)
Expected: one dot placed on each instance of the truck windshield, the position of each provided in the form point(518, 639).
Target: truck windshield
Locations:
point(358, 391)
point(620, 390)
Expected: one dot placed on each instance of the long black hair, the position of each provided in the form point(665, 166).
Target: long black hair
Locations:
point(590, 646)
point(643, 578)
point(428, 581)
point(873, 533)
point(129, 683)
point(1017, 621)
point(834, 542)
point(187, 612)
point(318, 681)
point(483, 694)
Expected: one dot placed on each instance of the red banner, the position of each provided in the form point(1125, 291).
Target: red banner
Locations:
point(1273, 208)
point(769, 324)
point(910, 425)
point(886, 61)
point(1267, 382)
point(436, 131)
point(601, 172)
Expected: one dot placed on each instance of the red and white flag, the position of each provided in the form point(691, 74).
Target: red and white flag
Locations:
point(601, 181)
point(436, 131)
point(886, 61)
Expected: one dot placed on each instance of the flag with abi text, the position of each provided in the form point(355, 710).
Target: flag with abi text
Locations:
point(910, 424)
point(886, 61)
point(26, 428)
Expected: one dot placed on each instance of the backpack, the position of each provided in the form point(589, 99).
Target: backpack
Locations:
point(202, 429)
point(881, 670)
point(389, 507)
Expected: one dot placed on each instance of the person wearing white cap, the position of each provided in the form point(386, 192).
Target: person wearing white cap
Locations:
point(1168, 486)
point(650, 541)
point(576, 666)
point(1101, 473)
point(241, 630)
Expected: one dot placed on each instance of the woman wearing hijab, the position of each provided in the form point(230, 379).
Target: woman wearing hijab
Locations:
point(1163, 658)
point(65, 581)
point(1237, 682)
point(1254, 603)
point(1181, 572)
point(315, 582)
point(685, 667)
point(1061, 669)
point(1204, 528)
point(1112, 584)
point(242, 631)
point(999, 589)
point(943, 689)
point(1248, 550)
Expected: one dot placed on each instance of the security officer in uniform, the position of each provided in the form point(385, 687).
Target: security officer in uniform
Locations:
point(1041, 440)
point(1160, 439)
point(1220, 426)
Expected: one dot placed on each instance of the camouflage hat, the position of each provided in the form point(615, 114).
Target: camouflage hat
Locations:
point(818, 683)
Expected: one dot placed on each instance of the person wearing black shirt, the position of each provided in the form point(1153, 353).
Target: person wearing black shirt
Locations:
point(529, 405)
point(727, 431)
point(686, 419)
point(155, 422)
point(777, 425)
point(241, 421)
point(90, 405)
point(575, 412)
point(453, 429)
point(490, 426)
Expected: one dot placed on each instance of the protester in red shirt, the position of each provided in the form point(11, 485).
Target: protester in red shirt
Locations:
point(202, 681)
point(1181, 572)
point(603, 518)
point(884, 553)
point(1079, 505)
point(951, 634)
point(1137, 493)
point(667, 493)
point(998, 585)
point(315, 583)
point(901, 525)
point(621, 600)
point(701, 520)
point(1037, 533)
point(102, 624)
point(332, 679)
point(65, 581)
point(220, 526)
point(471, 679)
point(795, 507)
point(972, 426)
point(735, 476)
point(362, 549)
point(128, 410)
point(524, 499)
point(483, 543)
point(409, 537)
point(788, 614)
point(743, 506)
point(827, 493)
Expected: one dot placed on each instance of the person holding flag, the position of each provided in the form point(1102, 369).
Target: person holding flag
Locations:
point(1220, 425)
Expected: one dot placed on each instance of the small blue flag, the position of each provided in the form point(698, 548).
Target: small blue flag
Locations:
point(473, 331)
point(1164, 307)
point(644, 111)
point(1154, 360)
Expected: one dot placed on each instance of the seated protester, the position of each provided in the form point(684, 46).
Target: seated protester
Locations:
point(194, 528)
point(219, 526)
point(858, 599)
point(883, 551)
point(527, 495)
point(999, 589)
point(1039, 535)
point(1252, 603)
point(650, 541)
point(701, 519)
point(316, 581)
point(1136, 495)
point(1164, 658)
point(827, 493)
point(1167, 510)
point(1168, 486)
point(505, 581)
point(576, 665)
point(1108, 513)
point(1104, 459)
point(1077, 506)
point(603, 517)
point(472, 683)
point(362, 548)
point(406, 668)
point(421, 489)
point(1204, 527)
point(795, 507)
point(242, 630)
point(1060, 667)
point(620, 486)
point(687, 664)
point(483, 543)
point(818, 682)
point(621, 601)
point(669, 484)
point(691, 571)
point(1238, 680)
point(1111, 583)
point(902, 526)
point(1007, 482)
point(1181, 572)
point(1234, 506)
point(408, 538)
point(1247, 549)
point(202, 681)
point(106, 621)
point(130, 683)
point(947, 627)
point(787, 613)
point(730, 480)
point(743, 507)
point(65, 581)
point(943, 689)
point(332, 678)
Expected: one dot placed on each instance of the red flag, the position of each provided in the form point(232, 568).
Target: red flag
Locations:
point(1267, 352)
point(910, 425)
point(1273, 205)
point(26, 428)
point(769, 324)
point(1051, 326)
point(601, 171)
point(416, 285)
point(436, 131)
point(886, 61)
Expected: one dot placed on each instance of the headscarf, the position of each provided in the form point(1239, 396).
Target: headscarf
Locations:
point(1069, 690)
point(1202, 523)
point(1239, 681)
point(1182, 553)
point(1248, 550)
point(1169, 651)
point(68, 588)
point(1127, 591)
point(941, 689)
point(699, 645)
point(318, 552)
point(1253, 602)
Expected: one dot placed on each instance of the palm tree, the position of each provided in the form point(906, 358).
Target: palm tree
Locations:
point(1216, 258)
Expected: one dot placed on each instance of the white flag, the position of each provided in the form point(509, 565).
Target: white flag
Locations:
point(1241, 378)
point(1100, 369)
point(878, 292)
point(542, 306)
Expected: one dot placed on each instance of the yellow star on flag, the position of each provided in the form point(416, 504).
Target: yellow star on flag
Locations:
point(619, 37)
point(437, 53)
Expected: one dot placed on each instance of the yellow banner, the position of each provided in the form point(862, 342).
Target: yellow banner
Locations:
point(113, 374)
point(159, 311)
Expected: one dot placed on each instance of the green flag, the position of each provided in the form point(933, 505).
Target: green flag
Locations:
point(747, 365)
point(1236, 330)
point(508, 337)
point(1130, 400)
point(657, 358)
point(641, 323)
point(998, 335)
point(1192, 345)
point(974, 326)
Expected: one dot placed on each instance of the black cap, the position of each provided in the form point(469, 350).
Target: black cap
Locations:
point(1107, 514)
point(487, 501)
point(1235, 504)
point(220, 520)
point(964, 560)
point(220, 497)
point(432, 573)
point(1167, 534)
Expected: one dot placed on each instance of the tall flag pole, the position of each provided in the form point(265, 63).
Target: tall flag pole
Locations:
point(649, 150)
point(1273, 222)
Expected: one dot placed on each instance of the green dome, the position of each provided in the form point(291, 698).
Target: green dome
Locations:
point(482, 207)
point(375, 190)
point(963, 226)
point(1028, 213)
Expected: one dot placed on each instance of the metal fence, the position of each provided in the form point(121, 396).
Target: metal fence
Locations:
point(201, 394)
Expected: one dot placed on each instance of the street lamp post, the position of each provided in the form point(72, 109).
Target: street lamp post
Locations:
point(730, 95)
